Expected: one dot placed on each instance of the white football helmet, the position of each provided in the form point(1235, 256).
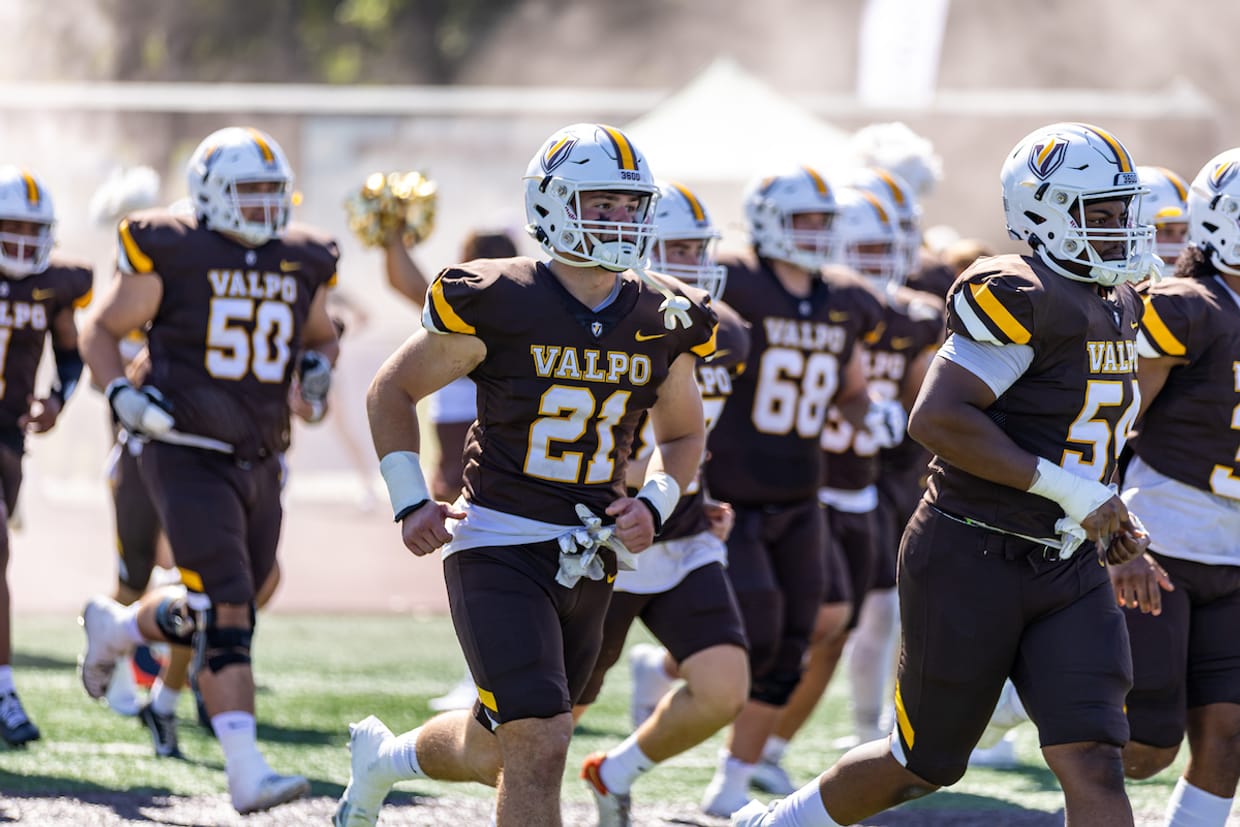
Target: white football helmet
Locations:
point(1214, 211)
point(680, 216)
point(870, 237)
point(237, 155)
point(587, 157)
point(769, 207)
point(1165, 203)
point(894, 190)
point(1051, 177)
point(24, 198)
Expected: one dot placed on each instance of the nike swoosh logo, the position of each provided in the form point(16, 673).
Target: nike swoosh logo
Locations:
point(902, 342)
point(289, 266)
point(1135, 325)
point(611, 578)
point(39, 294)
point(642, 337)
point(837, 316)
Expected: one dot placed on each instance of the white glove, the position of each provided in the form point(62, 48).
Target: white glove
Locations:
point(315, 375)
point(886, 421)
point(141, 411)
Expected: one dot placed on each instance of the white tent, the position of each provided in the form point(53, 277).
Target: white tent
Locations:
point(726, 125)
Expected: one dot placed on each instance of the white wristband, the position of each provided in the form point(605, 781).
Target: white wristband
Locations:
point(402, 473)
point(661, 491)
point(1077, 496)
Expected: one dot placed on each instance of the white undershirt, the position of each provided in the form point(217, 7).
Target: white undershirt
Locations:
point(999, 366)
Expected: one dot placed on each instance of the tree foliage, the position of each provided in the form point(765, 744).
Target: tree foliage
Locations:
point(313, 41)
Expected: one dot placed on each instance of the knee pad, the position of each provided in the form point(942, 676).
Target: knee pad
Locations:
point(222, 646)
point(175, 620)
point(774, 688)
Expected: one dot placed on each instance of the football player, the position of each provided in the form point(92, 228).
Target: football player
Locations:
point(680, 591)
point(566, 354)
point(39, 292)
point(1166, 207)
point(1026, 408)
point(452, 408)
point(233, 298)
point(895, 364)
point(807, 325)
point(1185, 476)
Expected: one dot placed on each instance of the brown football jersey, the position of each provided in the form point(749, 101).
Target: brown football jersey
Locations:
point(562, 387)
point(1075, 403)
point(912, 322)
point(229, 326)
point(1191, 431)
point(765, 448)
point(27, 307)
point(715, 374)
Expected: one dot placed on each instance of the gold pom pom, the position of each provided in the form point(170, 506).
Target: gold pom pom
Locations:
point(394, 202)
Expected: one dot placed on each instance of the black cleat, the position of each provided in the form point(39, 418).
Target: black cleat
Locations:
point(15, 726)
point(163, 729)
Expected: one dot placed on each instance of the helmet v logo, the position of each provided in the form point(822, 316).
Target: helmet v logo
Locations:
point(1045, 158)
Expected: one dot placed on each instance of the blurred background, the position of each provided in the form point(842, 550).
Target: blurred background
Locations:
point(714, 93)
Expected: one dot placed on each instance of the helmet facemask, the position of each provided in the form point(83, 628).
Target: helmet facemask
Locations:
point(243, 207)
point(1072, 251)
point(219, 172)
point(703, 273)
point(24, 254)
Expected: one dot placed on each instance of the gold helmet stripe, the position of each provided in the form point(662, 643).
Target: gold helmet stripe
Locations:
point(32, 189)
point(699, 214)
point(897, 194)
point(819, 182)
point(263, 146)
point(1121, 154)
point(877, 205)
point(625, 155)
point(1181, 188)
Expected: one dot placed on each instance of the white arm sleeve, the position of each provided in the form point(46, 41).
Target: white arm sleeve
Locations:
point(999, 366)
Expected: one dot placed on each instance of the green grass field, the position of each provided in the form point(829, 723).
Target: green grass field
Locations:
point(318, 673)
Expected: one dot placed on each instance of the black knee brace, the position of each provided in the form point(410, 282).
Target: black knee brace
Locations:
point(774, 688)
point(175, 620)
point(223, 646)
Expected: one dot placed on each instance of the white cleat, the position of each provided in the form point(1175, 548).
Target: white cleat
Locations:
point(1001, 756)
point(755, 814)
point(461, 696)
point(719, 800)
point(268, 791)
point(370, 777)
point(614, 809)
point(106, 643)
point(770, 777)
point(650, 681)
point(122, 694)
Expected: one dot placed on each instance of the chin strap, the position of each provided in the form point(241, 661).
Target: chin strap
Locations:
point(675, 309)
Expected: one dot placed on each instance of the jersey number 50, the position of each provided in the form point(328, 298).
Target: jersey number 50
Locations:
point(233, 351)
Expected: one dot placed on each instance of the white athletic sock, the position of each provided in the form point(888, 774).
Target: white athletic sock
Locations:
point(1194, 807)
point(804, 808)
point(622, 766)
point(402, 755)
point(774, 748)
point(238, 736)
point(163, 699)
point(130, 624)
point(737, 774)
point(6, 680)
point(871, 660)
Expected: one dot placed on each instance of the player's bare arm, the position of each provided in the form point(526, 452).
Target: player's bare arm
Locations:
point(422, 365)
point(1152, 375)
point(130, 302)
point(853, 398)
point(44, 411)
point(403, 273)
point(319, 333)
point(949, 419)
point(680, 439)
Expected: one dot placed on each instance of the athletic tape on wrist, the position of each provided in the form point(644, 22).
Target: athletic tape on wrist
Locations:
point(1077, 496)
point(402, 473)
point(662, 492)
